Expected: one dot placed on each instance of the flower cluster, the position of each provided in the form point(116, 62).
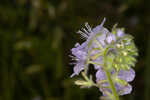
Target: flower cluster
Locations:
point(112, 55)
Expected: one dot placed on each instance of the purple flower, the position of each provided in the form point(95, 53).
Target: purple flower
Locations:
point(123, 90)
point(127, 76)
point(80, 52)
point(111, 37)
point(100, 75)
point(89, 34)
point(80, 56)
point(113, 49)
point(120, 33)
point(102, 37)
point(98, 28)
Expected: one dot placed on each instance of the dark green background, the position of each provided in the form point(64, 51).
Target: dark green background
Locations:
point(36, 37)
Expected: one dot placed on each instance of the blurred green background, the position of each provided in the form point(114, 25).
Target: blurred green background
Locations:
point(36, 37)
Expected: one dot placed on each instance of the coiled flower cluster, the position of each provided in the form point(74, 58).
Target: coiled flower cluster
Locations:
point(112, 54)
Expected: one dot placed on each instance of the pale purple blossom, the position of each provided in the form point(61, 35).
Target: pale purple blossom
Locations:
point(80, 56)
point(126, 75)
point(99, 41)
point(80, 52)
point(111, 37)
point(120, 33)
point(98, 28)
point(123, 90)
point(100, 75)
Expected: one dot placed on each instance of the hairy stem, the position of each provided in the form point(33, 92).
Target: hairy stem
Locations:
point(111, 84)
point(114, 92)
point(109, 78)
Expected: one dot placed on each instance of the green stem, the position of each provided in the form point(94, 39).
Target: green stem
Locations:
point(111, 84)
point(109, 79)
point(114, 92)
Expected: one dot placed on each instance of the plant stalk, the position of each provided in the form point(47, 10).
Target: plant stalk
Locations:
point(109, 79)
